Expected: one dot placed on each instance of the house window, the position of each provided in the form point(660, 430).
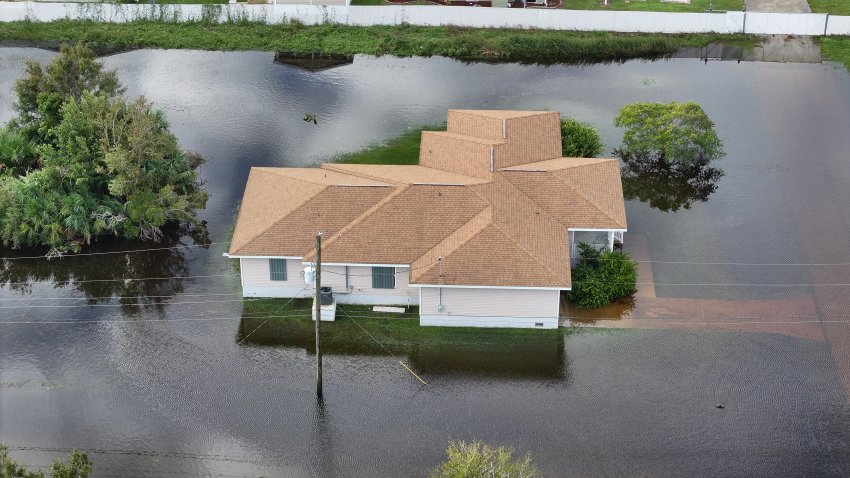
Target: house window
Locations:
point(277, 269)
point(383, 277)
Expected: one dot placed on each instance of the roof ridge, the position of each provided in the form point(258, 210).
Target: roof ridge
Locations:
point(305, 180)
point(520, 191)
point(529, 253)
point(467, 137)
point(568, 185)
point(592, 203)
point(331, 167)
point(272, 224)
point(389, 197)
point(551, 218)
point(487, 223)
point(470, 238)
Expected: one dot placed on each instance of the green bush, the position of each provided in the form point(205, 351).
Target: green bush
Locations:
point(479, 460)
point(601, 277)
point(579, 140)
point(78, 466)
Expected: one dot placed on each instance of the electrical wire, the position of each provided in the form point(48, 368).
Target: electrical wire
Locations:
point(406, 367)
point(59, 306)
point(128, 251)
point(124, 279)
point(120, 297)
point(278, 310)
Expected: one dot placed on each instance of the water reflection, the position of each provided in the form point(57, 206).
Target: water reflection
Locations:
point(480, 353)
point(312, 61)
point(667, 186)
point(102, 278)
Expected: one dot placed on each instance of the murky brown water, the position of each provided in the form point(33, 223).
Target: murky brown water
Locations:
point(149, 376)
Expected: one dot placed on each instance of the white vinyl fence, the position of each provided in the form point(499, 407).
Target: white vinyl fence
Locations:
point(576, 20)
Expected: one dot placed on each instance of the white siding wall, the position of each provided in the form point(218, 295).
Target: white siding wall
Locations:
point(425, 15)
point(360, 282)
point(256, 283)
point(472, 307)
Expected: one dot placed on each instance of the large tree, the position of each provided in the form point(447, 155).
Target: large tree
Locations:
point(669, 132)
point(80, 162)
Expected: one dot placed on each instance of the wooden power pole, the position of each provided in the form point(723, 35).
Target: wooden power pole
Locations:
point(319, 315)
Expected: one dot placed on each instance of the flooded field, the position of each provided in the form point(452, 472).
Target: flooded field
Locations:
point(743, 301)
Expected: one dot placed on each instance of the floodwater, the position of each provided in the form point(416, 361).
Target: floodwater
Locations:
point(152, 376)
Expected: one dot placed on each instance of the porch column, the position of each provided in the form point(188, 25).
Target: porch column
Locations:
point(610, 241)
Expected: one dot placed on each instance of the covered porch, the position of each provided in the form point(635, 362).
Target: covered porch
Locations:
point(601, 239)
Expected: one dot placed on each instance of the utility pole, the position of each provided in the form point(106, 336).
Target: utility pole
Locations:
point(319, 315)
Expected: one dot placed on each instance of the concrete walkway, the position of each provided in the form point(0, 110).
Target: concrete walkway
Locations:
point(778, 6)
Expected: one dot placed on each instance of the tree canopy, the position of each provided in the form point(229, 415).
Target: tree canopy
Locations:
point(671, 132)
point(80, 162)
point(579, 140)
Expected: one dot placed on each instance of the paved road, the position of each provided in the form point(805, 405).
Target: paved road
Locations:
point(778, 6)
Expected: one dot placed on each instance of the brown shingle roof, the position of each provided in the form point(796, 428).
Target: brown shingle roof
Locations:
point(404, 227)
point(327, 212)
point(580, 192)
point(404, 174)
point(272, 194)
point(502, 228)
point(505, 264)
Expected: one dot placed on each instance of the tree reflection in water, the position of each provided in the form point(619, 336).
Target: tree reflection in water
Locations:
point(103, 278)
point(665, 185)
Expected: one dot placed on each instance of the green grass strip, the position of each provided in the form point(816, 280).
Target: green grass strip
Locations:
point(513, 45)
point(834, 7)
point(403, 149)
point(836, 49)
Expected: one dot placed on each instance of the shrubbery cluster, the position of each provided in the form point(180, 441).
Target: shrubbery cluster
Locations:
point(479, 460)
point(79, 162)
point(579, 140)
point(601, 277)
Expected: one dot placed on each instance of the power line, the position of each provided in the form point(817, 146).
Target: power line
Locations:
point(128, 251)
point(193, 319)
point(121, 297)
point(278, 310)
point(406, 367)
point(59, 306)
point(124, 279)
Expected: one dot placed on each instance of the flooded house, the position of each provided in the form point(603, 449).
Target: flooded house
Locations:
point(482, 232)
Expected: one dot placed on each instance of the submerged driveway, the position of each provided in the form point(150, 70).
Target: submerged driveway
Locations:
point(778, 6)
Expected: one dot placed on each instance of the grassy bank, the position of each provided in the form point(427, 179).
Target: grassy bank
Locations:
point(403, 149)
point(836, 49)
point(656, 5)
point(834, 7)
point(530, 46)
